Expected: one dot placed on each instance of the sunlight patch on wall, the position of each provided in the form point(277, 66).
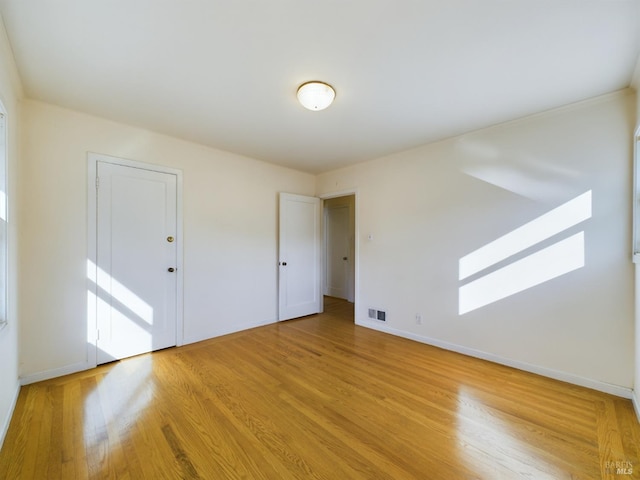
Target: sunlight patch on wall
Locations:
point(543, 227)
point(562, 257)
point(515, 169)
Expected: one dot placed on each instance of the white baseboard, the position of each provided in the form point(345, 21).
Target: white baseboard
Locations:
point(79, 367)
point(56, 372)
point(229, 330)
point(7, 420)
point(635, 399)
point(545, 372)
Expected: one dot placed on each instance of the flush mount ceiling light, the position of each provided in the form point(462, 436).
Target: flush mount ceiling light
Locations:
point(316, 95)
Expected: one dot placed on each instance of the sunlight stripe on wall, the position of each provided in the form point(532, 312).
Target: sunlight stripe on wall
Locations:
point(551, 223)
point(560, 258)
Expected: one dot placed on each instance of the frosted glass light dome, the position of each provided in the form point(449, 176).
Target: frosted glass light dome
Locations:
point(316, 95)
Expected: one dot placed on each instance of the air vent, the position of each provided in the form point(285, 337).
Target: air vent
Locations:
point(376, 314)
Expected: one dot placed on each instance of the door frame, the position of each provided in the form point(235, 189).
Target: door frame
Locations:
point(350, 271)
point(356, 246)
point(92, 236)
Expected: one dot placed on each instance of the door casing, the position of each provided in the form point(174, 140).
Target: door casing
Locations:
point(356, 243)
point(337, 269)
point(92, 292)
point(321, 279)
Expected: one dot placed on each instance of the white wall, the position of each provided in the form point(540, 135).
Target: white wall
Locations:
point(636, 383)
point(428, 207)
point(230, 236)
point(10, 94)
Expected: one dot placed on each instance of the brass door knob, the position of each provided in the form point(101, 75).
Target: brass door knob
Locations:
point(171, 269)
point(170, 239)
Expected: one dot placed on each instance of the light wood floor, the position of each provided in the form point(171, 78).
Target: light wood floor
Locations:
point(316, 398)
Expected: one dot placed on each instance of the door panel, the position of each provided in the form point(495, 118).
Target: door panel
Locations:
point(299, 263)
point(136, 292)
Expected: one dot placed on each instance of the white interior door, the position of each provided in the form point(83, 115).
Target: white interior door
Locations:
point(299, 251)
point(136, 261)
point(337, 259)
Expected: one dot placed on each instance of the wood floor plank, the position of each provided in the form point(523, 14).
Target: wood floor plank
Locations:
point(317, 397)
point(218, 454)
point(37, 447)
point(347, 460)
point(55, 461)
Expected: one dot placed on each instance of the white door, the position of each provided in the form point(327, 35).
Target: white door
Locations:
point(299, 251)
point(136, 260)
point(337, 251)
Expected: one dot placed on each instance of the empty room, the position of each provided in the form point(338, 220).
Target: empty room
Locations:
point(332, 240)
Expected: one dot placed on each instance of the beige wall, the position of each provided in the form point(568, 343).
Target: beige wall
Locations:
point(230, 221)
point(424, 208)
point(10, 94)
point(428, 207)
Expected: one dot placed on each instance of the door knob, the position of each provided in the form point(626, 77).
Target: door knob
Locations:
point(170, 239)
point(344, 258)
point(171, 269)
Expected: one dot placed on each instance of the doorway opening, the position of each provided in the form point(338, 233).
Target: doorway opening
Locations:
point(339, 251)
point(339, 308)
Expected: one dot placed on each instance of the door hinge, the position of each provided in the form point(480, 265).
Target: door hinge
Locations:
point(97, 182)
point(97, 335)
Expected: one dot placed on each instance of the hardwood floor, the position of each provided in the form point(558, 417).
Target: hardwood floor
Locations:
point(319, 398)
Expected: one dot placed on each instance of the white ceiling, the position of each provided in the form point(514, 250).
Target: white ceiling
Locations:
point(224, 73)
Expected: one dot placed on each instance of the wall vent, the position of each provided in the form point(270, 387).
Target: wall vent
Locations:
point(376, 314)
